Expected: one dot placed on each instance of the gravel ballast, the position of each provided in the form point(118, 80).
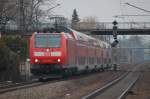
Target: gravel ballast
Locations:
point(69, 89)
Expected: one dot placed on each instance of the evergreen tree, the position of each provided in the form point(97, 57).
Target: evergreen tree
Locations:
point(75, 19)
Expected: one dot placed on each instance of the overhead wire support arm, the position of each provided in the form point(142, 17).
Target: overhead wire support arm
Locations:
point(136, 15)
point(53, 7)
point(137, 7)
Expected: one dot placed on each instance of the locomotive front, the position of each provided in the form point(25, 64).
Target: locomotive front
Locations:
point(47, 52)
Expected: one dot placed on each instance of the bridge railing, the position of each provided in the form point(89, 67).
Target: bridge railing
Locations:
point(109, 25)
point(85, 26)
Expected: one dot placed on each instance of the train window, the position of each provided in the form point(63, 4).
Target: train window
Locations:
point(47, 40)
point(104, 46)
point(91, 42)
point(54, 41)
point(40, 41)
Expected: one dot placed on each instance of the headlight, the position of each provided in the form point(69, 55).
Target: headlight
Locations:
point(36, 60)
point(55, 53)
point(38, 53)
point(58, 60)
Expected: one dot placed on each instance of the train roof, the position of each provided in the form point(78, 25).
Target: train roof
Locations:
point(78, 35)
point(89, 38)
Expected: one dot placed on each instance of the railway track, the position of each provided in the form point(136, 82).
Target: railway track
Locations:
point(5, 83)
point(17, 86)
point(118, 88)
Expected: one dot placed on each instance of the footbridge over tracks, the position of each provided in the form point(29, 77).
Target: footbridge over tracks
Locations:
point(123, 28)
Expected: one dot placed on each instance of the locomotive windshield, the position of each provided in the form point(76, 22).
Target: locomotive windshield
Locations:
point(47, 40)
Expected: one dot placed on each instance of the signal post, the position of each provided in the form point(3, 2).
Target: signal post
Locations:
point(114, 46)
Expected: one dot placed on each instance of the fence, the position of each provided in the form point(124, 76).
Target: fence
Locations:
point(131, 55)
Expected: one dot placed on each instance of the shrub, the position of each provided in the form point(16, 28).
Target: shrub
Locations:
point(9, 63)
point(17, 45)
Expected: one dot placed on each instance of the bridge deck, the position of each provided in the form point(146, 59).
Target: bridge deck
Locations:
point(121, 32)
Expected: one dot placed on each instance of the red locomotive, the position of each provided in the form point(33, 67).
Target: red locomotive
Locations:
point(67, 52)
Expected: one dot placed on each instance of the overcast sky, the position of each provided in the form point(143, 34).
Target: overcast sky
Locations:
point(104, 10)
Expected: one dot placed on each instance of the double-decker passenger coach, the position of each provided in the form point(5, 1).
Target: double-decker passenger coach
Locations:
point(66, 52)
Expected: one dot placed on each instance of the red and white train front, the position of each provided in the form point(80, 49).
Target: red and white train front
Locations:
point(47, 52)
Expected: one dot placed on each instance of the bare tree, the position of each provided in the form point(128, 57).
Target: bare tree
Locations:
point(7, 11)
point(38, 11)
point(26, 13)
point(33, 11)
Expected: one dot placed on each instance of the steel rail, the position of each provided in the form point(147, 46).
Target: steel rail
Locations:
point(4, 86)
point(125, 93)
point(107, 86)
point(96, 92)
point(14, 87)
